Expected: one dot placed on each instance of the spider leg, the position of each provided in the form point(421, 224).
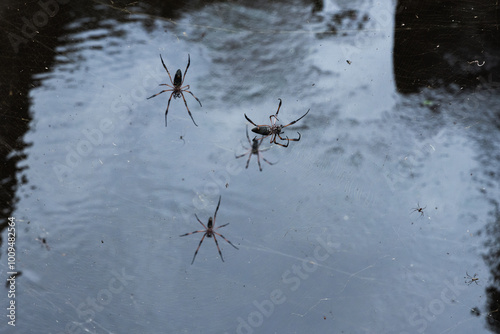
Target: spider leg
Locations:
point(271, 163)
point(168, 105)
point(295, 139)
point(218, 227)
point(229, 242)
point(166, 85)
point(192, 233)
point(249, 150)
point(200, 221)
point(217, 244)
point(275, 142)
point(282, 144)
point(166, 69)
point(248, 138)
point(248, 161)
point(242, 155)
point(185, 72)
point(258, 161)
point(297, 119)
point(273, 120)
point(196, 252)
point(277, 111)
point(163, 91)
point(187, 91)
point(248, 119)
point(275, 115)
point(189, 112)
point(217, 209)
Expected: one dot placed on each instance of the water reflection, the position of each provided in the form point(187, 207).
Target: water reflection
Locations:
point(20, 66)
point(326, 237)
point(441, 47)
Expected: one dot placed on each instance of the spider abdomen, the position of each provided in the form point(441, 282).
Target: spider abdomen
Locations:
point(262, 130)
point(178, 78)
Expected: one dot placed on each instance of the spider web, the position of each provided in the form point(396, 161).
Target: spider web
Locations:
point(326, 236)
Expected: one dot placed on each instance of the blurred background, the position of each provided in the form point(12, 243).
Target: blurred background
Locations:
point(383, 218)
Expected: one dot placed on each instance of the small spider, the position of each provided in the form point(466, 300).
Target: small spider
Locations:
point(418, 209)
point(210, 232)
point(254, 149)
point(275, 130)
point(469, 279)
point(177, 89)
point(43, 242)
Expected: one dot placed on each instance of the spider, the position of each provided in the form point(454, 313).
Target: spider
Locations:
point(471, 278)
point(419, 209)
point(210, 232)
point(254, 149)
point(43, 242)
point(177, 89)
point(275, 130)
